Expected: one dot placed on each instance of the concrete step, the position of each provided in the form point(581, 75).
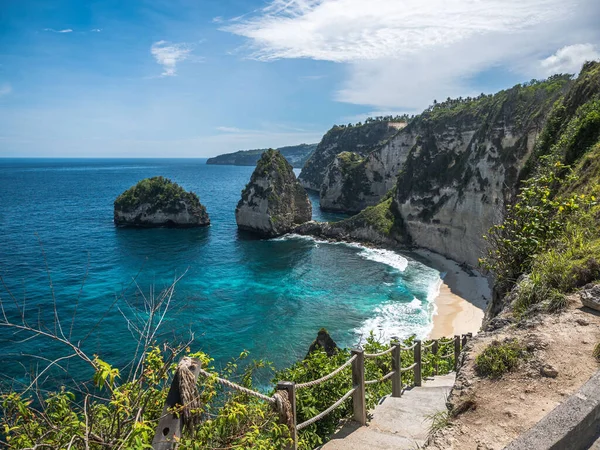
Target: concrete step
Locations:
point(397, 423)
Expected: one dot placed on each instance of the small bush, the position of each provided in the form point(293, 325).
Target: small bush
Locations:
point(596, 352)
point(499, 358)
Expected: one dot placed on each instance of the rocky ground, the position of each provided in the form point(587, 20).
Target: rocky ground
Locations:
point(558, 360)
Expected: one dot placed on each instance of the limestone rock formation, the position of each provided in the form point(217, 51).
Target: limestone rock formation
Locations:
point(453, 167)
point(590, 296)
point(360, 139)
point(159, 202)
point(274, 202)
point(323, 342)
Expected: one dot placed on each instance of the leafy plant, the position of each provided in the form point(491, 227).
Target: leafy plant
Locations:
point(499, 358)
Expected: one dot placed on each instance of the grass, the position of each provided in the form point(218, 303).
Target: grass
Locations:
point(439, 421)
point(596, 352)
point(499, 358)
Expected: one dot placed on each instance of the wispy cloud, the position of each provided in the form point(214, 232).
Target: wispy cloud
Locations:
point(402, 55)
point(169, 55)
point(5, 89)
point(96, 30)
point(217, 19)
point(569, 59)
point(66, 30)
point(231, 130)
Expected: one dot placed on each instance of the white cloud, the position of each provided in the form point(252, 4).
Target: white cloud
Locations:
point(230, 130)
point(569, 59)
point(400, 55)
point(66, 30)
point(217, 19)
point(96, 30)
point(169, 55)
point(5, 89)
point(350, 30)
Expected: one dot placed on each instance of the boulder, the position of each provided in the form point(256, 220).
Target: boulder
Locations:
point(590, 296)
point(274, 202)
point(323, 342)
point(159, 202)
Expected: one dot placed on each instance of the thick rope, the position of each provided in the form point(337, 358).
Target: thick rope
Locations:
point(327, 411)
point(383, 378)
point(408, 348)
point(284, 408)
point(375, 355)
point(450, 355)
point(406, 369)
point(237, 387)
point(326, 377)
point(189, 394)
point(428, 345)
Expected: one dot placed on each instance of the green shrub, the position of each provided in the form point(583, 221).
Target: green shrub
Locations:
point(499, 358)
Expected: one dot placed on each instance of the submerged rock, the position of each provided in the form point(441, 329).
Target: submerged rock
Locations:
point(159, 202)
point(273, 203)
point(323, 342)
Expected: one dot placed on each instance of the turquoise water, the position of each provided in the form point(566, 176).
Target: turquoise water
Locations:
point(238, 292)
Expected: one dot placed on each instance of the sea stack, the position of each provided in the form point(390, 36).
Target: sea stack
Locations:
point(274, 202)
point(159, 202)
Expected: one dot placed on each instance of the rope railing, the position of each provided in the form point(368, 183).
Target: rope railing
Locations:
point(184, 390)
point(382, 379)
point(376, 355)
point(237, 387)
point(327, 411)
point(326, 377)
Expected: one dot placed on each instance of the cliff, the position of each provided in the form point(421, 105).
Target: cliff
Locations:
point(296, 155)
point(273, 202)
point(453, 167)
point(360, 139)
point(158, 202)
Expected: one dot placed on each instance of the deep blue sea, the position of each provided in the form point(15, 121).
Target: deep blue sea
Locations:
point(269, 297)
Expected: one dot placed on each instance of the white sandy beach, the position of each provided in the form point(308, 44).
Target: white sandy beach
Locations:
point(462, 299)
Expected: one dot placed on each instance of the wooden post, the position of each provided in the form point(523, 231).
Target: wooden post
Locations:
point(396, 366)
point(290, 388)
point(435, 349)
point(456, 351)
point(464, 340)
point(170, 425)
point(418, 363)
point(358, 382)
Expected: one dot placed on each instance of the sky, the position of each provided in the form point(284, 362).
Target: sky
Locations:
point(196, 78)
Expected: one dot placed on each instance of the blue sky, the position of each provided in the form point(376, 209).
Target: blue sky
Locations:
point(183, 78)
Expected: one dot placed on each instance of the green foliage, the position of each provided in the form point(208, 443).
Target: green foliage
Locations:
point(499, 358)
point(596, 352)
point(439, 421)
point(160, 192)
point(128, 417)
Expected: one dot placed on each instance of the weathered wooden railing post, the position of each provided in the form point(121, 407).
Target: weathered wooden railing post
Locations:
point(358, 383)
point(464, 340)
point(290, 388)
point(456, 351)
point(434, 350)
point(396, 367)
point(418, 357)
point(169, 427)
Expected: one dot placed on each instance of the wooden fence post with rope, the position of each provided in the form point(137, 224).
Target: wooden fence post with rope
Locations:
point(358, 383)
point(396, 366)
point(290, 418)
point(182, 394)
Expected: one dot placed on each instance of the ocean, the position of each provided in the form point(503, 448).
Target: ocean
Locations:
point(237, 292)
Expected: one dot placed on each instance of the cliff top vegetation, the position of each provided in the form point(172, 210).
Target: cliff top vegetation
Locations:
point(162, 193)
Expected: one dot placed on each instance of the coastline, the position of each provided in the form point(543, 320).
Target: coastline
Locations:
point(462, 299)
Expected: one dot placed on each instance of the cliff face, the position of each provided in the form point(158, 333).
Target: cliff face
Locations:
point(296, 155)
point(273, 202)
point(360, 139)
point(158, 202)
point(453, 167)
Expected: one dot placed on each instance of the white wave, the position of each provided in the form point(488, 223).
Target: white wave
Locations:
point(387, 257)
point(395, 319)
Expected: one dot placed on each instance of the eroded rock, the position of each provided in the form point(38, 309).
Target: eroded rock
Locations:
point(590, 296)
point(324, 342)
point(274, 202)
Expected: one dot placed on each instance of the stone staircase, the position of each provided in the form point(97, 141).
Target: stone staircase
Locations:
point(397, 423)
